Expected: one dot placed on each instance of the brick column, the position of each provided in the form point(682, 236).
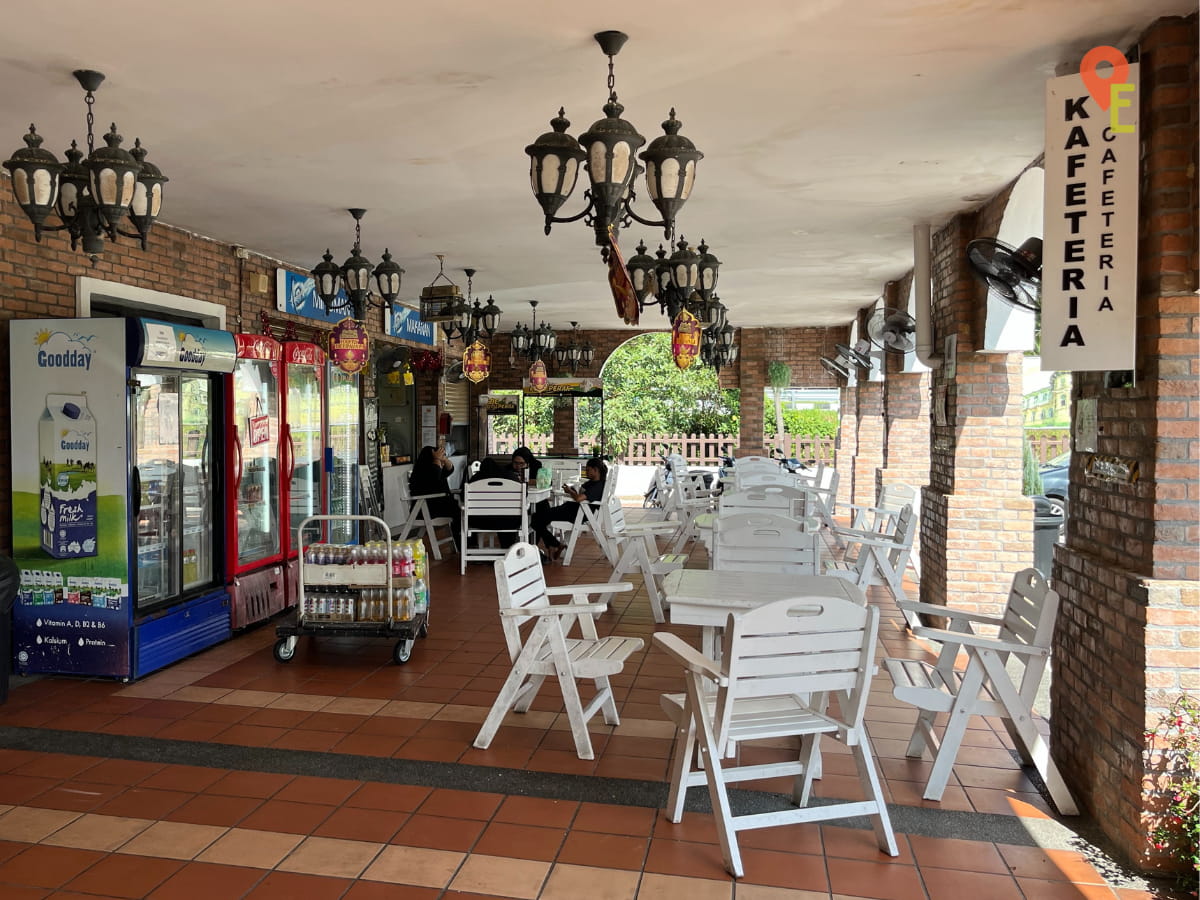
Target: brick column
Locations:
point(847, 444)
point(906, 417)
point(869, 457)
point(1129, 626)
point(752, 368)
point(565, 433)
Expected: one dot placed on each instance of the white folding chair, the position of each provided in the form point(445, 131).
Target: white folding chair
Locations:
point(761, 542)
point(780, 662)
point(985, 687)
point(587, 521)
point(878, 557)
point(778, 498)
point(421, 522)
point(483, 502)
point(635, 546)
point(547, 651)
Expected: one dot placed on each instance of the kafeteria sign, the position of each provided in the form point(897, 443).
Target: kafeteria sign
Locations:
point(477, 362)
point(1089, 268)
point(349, 347)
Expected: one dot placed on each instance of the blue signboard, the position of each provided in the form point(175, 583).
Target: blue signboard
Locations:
point(405, 322)
point(297, 294)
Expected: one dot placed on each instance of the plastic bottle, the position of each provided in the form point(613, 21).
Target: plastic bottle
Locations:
point(420, 596)
point(419, 558)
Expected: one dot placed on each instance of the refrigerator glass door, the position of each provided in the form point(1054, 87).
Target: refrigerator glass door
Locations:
point(197, 400)
point(256, 439)
point(304, 419)
point(344, 440)
point(155, 418)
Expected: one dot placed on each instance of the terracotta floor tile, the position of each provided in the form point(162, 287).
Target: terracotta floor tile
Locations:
point(274, 717)
point(502, 876)
point(311, 789)
point(860, 843)
point(612, 851)
point(1065, 890)
point(376, 890)
point(799, 838)
point(184, 778)
point(192, 730)
point(93, 832)
point(125, 772)
point(293, 886)
point(18, 789)
point(395, 797)
point(245, 735)
point(568, 882)
point(31, 824)
point(545, 812)
point(439, 833)
point(954, 884)
point(214, 810)
point(684, 858)
point(564, 761)
point(281, 815)
point(952, 853)
point(763, 892)
point(204, 881)
point(696, 827)
point(1049, 865)
point(331, 857)
point(461, 804)
point(520, 841)
point(414, 866)
point(250, 784)
point(143, 803)
point(1009, 803)
point(354, 824)
point(173, 840)
point(882, 881)
point(358, 744)
point(247, 847)
point(629, 820)
point(47, 867)
point(390, 726)
point(676, 887)
point(56, 765)
point(125, 876)
point(325, 721)
point(434, 749)
point(77, 795)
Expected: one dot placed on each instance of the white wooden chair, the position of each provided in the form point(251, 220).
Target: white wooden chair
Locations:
point(776, 476)
point(587, 521)
point(880, 517)
point(824, 495)
point(420, 521)
point(987, 686)
point(546, 650)
point(778, 498)
point(689, 499)
point(482, 502)
point(761, 542)
point(878, 557)
point(780, 662)
point(636, 548)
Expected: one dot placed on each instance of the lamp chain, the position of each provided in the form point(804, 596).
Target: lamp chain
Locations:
point(90, 99)
point(612, 81)
point(357, 235)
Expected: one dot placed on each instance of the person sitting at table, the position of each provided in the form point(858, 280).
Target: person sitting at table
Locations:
point(507, 527)
point(592, 491)
point(430, 475)
point(525, 465)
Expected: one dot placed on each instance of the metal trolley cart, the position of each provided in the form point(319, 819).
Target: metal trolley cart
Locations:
point(372, 589)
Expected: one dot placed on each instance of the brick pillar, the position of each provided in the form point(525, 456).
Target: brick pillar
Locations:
point(976, 526)
point(566, 436)
point(752, 368)
point(906, 417)
point(869, 456)
point(847, 444)
point(1129, 626)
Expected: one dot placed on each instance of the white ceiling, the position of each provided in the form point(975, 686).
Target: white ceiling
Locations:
point(828, 126)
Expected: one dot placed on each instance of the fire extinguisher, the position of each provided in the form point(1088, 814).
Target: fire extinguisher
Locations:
point(445, 421)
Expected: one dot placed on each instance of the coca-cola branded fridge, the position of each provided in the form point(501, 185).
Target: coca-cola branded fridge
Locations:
point(117, 467)
point(304, 442)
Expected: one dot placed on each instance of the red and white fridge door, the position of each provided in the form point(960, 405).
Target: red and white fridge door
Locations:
point(254, 539)
point(303, 438)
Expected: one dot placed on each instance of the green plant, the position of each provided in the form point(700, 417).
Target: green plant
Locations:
point(811, 422)
point(1031, 476)
point(779, 376)
point(1175, 771)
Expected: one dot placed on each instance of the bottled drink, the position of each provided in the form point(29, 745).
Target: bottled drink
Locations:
point(420, 596)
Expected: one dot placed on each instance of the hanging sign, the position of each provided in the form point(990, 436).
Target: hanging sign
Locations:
point(537, 377)
point(685, 339)
point(259, 429)
point(405, 322)
point(502, 404)
point(297, 294)
point(477, 362)
point(1089, 281)
point(349, 346)
point(621, 283)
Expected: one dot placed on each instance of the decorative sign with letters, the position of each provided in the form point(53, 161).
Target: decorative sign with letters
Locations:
point(1089, 268)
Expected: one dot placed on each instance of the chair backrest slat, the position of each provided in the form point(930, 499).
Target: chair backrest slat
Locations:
point(761, 542)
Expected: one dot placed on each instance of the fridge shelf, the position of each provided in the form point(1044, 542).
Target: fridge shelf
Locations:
point(351, 600)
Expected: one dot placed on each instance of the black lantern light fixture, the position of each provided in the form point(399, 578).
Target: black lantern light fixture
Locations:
point(607, 152)
point(687, 278)
point(91, 196)
point(471, 322)
point(575, 354)
point(534, 342)
point(717, 346)
point(354, 275)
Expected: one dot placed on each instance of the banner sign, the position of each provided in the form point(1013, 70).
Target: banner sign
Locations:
point(537, 379)
point(501, 404)
point(1089, 277)
point(297, 294)
point(349, 347)
point(477, 362)
point(620, 282)
point(406, 322)
point(174, 346)
point(566, 387)
point(300, 353)
point(685, 339)
point(257, 346)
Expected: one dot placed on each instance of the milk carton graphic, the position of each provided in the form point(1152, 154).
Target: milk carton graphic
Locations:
point(67, 466)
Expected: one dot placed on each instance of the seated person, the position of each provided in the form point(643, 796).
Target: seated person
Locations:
point(489, 468)
point(525, 465)
point(592, 491)
point(430, 475)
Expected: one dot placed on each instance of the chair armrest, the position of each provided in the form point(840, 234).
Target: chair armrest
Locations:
point(949, 612)
point(427, 496)
point(557, 609)
point(640, 528)
point(577, 590)
point(688, 656)
point(975, 640)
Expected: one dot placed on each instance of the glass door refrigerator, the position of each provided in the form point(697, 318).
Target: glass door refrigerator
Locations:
point(342, 453)
point(254, 541)
point(304, 450)
point(117, 508)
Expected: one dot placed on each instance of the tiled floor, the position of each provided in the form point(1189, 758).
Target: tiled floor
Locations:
point(342, 775)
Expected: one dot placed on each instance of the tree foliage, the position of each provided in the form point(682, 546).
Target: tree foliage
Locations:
point(811, 422)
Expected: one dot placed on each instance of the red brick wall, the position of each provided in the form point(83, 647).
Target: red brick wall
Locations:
point(1130, 621)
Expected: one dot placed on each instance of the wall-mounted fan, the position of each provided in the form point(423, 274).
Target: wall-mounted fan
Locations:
point(454, 373)
point(835, 367)
point(856, 355)
point(892, 329)
point(1013, 273)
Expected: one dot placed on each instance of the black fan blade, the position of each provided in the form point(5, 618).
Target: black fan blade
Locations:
point(834, 368)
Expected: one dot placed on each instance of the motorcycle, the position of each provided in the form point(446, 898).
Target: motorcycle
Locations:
point(791, 465)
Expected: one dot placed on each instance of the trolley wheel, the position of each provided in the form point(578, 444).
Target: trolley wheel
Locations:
point(402, 651)
point(423, 631)
point(285, 649)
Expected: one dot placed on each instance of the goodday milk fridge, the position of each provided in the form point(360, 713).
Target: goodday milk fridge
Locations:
point(117, 469)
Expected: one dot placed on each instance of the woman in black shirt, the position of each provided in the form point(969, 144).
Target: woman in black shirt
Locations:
point(429, 476)
point(592, 492)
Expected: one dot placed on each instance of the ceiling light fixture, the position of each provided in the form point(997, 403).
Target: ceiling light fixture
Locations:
point(575, 354)
point(532, 343)
point(688, 278)
point(355, 276)
point(470, 322)
point(91, 196)
point(607, 152)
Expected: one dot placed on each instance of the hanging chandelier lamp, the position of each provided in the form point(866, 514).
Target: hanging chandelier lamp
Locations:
point(91, 196)
point(470, 322)
point(607, 152)
point(534, 342)
point(688, 278)
point(575, 354)
point(354, 275)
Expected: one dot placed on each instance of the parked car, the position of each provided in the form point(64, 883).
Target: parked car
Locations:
point(1054, 478)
